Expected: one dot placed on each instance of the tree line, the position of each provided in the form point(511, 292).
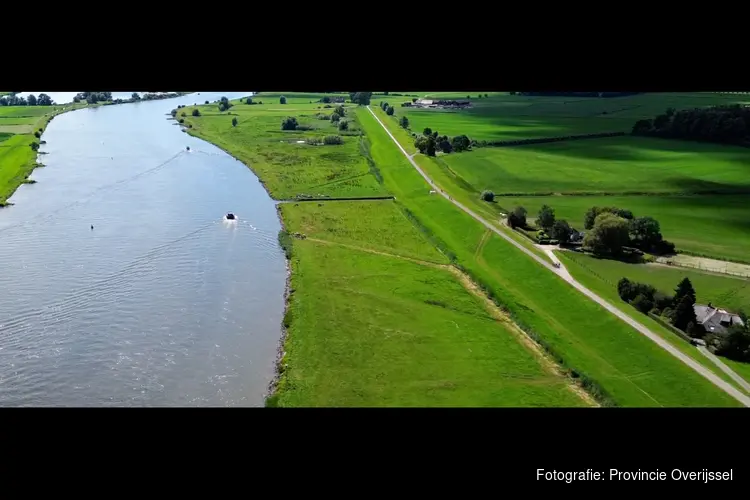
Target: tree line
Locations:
point(549, 228)
point(31, 100)
point(718, 124)
point(430, 141)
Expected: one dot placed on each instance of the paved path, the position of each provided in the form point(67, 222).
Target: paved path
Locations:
point(564, 274)
point(723, 367)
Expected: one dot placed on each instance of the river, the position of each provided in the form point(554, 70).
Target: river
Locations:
point(163, 302)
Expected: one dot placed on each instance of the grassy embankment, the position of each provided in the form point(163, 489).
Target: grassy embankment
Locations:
point(696, 191)
point(329, 363)
point(377, 316)
point(18, 125)
point(627, 365)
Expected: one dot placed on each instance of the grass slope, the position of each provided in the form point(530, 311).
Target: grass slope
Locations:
point(630, 368)
point(375, 330)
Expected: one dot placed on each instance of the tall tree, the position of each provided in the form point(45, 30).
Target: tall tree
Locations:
point(546, 217)
point(31, 100)
point(684, 289)
point(684, 313)
point(608, 236)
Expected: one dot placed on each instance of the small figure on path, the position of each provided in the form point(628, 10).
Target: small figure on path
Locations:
point(92, 227)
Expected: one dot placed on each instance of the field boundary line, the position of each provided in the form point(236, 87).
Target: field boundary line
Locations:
point(563, 273)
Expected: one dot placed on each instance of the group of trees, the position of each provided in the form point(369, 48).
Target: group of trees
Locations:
point(679, 308)
point(387, 108)
point(32, 100)
point(360, 98)
point(224, 104)
point(550, 228)
point(431, 141)
point(93, 97)
point(735, 344)
point(611, 229)
point(720, 124)
point(289, 123)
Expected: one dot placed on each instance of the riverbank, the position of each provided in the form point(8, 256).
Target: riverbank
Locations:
point(24, 127)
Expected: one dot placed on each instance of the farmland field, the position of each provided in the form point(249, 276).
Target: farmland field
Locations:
point(612, 165)
point(506, 117)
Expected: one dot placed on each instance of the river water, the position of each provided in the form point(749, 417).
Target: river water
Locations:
point(163, 302)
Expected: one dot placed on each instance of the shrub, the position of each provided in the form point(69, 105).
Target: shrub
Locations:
point(196, 112)
point(488, 195)
point(404, 122)
point(642, 303)
point(223, 107)
point(332, 140)
point(183, 114)
point(182, 120)
point(282, 100)
point(335, 118)
point(343, 125)
point(249, 100)
point(37, 134)
point(389, 111)
point(234, 121)
point(205, 102)
point(173, 113)
point(289, 123)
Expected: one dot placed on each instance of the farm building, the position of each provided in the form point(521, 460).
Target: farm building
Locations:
point(441, 103)
point(715, 320)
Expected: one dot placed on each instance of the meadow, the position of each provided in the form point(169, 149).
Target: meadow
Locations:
point(502, 116)
point(370, 326)
point(717, 226)
point(286, 165)
point(612, 166)
point(627, 368)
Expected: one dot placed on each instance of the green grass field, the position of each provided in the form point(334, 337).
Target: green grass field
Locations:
point(730, 292)
point(717, 226)
point(613, 165)
point(506, 117)
point(369, 328)
point(742, 369)
point(630, 368)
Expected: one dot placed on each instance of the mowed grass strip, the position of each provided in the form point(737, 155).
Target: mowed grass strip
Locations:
point(373, 330)
point(612, 165)
point(631, 369)
point(288, 168)
point(717, 226)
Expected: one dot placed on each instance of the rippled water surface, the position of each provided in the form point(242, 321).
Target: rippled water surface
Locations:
point(163, 303)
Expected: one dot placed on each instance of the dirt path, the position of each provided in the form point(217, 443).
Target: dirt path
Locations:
point(563, 273)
